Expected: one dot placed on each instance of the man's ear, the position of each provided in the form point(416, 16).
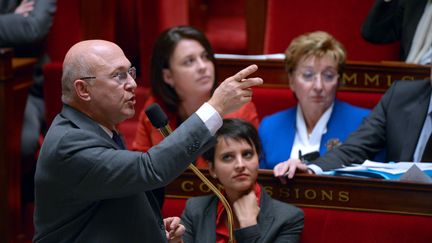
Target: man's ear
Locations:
point(81, 90)
point(167, 77)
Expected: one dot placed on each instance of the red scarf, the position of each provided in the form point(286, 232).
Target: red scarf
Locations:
point(222, 231)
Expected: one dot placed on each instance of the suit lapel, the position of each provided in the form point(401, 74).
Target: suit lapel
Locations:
point(265, 217)
point(208, 222)
point(289, 131)
point(84, 122)
point(415, 121)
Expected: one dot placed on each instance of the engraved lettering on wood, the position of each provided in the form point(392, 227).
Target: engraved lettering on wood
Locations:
point(389, 80)
point(344, 196)
point(326, 195)
point(285, 193)
point(352, 79)
point(371, 79)
point(187, 186)
point(407, 78)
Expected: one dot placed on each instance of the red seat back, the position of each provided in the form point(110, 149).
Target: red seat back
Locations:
point(342, 19)
point(66, 29)
point(269, 100)
point(52, 90)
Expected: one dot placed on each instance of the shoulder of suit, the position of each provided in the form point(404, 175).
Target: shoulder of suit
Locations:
point(347, 106)
point(279, 208)
point(200, 200)
point(407, 85)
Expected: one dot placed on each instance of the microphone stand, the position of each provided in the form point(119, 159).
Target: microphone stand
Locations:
point(165, 130)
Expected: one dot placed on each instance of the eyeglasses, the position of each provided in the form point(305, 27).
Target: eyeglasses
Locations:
point(326, 76)
point(120, 77)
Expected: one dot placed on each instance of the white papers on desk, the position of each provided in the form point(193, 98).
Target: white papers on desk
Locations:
point(391, 170)
point(279, 56)
point(395, 168)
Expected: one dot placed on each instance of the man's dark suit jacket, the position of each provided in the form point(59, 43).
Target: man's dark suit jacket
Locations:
point(277, 221)
point(87, 190)
point(394, 124)
point(27, 35)
point(392, 21)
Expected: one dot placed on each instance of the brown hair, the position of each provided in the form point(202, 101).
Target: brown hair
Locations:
point(162, 51)
point(317, 44)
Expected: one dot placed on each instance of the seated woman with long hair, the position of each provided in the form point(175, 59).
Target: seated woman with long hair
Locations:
point(182, 78)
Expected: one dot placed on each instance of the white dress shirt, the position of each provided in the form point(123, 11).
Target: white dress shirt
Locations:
point(305, 142)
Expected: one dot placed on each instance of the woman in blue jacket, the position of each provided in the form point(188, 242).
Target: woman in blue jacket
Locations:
point(314, 62)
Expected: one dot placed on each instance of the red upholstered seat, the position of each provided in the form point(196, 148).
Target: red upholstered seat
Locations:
point(225, 26)
point(65, 32)
point(223, 23)
point(339, 226)
point(66, 29)
point(173, 207)
point(153, 17)
point(362, 99)
point(269, 100)
point(227, 34)
point(342, 19)
point(52, 89)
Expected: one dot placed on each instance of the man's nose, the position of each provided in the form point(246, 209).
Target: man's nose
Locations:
point(130, 83)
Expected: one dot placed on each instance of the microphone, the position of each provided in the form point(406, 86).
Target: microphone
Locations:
point(160, 121)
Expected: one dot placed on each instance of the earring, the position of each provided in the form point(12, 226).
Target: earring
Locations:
point(214, 176)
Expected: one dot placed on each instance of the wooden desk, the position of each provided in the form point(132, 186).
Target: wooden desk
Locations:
point(357, 76)
point(345, 193)
point(15, 78)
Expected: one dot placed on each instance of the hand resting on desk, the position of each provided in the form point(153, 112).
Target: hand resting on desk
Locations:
point(287, 169)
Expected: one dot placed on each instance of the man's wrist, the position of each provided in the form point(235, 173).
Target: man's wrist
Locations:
point(315, 169)
point(210, 116)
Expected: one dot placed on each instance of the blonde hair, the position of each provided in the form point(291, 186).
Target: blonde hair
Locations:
point(316, 44)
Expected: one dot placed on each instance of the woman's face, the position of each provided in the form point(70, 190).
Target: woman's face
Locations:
point(314, 82)
point(235, 165)
point(191, 71)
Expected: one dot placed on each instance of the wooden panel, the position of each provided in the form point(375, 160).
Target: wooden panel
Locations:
point(357, 76)
point(371, 195)
point(15, 79)
point(256, 12)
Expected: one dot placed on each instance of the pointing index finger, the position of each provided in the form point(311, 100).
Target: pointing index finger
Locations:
point(245, 72)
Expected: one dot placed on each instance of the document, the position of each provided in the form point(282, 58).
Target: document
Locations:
point(391, 170)
point(278, 56)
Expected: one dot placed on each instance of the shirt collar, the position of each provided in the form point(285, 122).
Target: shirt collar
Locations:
point(430, 105)
point(108, 131)
point(319, 129)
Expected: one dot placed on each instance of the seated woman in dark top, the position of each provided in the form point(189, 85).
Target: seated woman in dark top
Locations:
point(257, 217)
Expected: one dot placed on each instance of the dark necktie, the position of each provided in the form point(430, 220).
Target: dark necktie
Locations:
point(117, 139)
point(427, 153)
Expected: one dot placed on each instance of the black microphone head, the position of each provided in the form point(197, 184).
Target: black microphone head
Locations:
point(157, 117)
